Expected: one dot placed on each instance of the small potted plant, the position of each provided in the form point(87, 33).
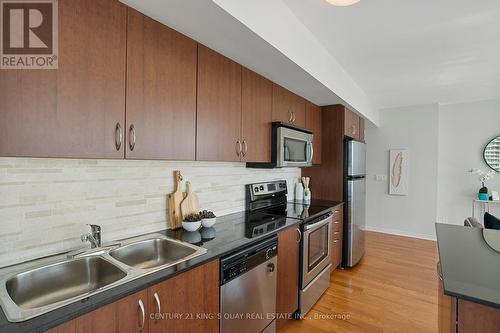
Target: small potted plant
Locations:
point(191, 222)
point(207, 218)
point(483, 177)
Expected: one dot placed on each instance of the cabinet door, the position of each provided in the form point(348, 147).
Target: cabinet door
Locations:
point(337, 237)
point(256, 109)
point(219, 107)
point(474, 317)
point(161, 91)
point(132, 313)
point(361, 129)
point(72, 111)
point(102, 320)
point(189, 302)
point(68, 327)
point(351, 124)
point(313, 122)
point(288, 107)
point(287, 292)
point(446, 310)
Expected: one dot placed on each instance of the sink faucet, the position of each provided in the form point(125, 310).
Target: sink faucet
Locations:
point(94, 237)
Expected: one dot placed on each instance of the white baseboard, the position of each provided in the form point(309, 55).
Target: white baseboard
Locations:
point(401, 233)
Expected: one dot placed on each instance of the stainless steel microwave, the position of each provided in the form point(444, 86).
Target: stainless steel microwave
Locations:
point(291, 146)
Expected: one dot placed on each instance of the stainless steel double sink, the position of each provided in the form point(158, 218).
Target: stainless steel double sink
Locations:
point(31, 289)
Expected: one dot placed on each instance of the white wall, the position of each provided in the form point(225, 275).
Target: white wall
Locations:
point(45, 203)
point(463, 132)
point(415, 129)
point(295, 41)
point(444, 142)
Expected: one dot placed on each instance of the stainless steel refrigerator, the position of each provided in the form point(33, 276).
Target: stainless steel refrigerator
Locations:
point(355, 200)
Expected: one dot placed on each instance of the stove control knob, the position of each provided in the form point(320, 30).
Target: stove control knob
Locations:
point(261, 187)
point(256, 189)
point(269, 253)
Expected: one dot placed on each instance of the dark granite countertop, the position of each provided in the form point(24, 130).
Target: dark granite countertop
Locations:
point(470, 267)
point(227, 235)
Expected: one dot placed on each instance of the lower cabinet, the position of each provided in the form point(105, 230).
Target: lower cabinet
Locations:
point(461, 316)
point(337, 230)
point(188, 302)
point(131, 313)
point(287, 301)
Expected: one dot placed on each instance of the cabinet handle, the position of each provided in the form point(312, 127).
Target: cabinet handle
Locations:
point(290, 116)
point(353, 130)
point(118, 136)
point(336, 222)
point(335, 240)
point(131, 136)
point(158, 305)
point(245, 148)
point(270, 267)
point(293, 118)
point(143, 315)
point(238, 147)
point(300, 235)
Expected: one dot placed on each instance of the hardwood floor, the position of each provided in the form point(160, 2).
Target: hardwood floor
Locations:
point(393, 289)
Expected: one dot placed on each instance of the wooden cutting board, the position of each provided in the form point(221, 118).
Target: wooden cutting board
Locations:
point(174, 202)
point(190, 204)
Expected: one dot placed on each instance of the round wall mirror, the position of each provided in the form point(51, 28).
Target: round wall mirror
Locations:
point(492, 154)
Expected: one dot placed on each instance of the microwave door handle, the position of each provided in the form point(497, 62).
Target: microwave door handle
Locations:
point(309, 148)
point(312, 152)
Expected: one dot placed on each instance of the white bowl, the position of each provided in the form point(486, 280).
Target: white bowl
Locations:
point(208, 223)
point(191, 226)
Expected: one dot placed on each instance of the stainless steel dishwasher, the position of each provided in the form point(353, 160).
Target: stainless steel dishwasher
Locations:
point(248, 289)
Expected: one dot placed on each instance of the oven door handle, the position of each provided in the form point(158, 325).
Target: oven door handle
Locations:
point(318, 224)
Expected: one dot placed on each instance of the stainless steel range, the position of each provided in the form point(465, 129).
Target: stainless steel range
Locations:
point(270, 198)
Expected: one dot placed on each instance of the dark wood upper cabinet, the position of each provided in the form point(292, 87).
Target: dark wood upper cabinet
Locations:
point(288, 107)
point(351, 124)
point(72, 111)
point(257, 100)
point(219, 107)
point(361, 129)
point(288, 272)
point(193, 293)
point(161, 91)
point(313, 122)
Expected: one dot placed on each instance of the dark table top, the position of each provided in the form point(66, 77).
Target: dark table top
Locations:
point(470, 266)
point(227, 235)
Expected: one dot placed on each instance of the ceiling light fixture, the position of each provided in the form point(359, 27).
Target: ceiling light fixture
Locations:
point(342, 2)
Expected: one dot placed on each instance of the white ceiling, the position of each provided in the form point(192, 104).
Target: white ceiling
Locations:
point(295, 68)
point(407, 52)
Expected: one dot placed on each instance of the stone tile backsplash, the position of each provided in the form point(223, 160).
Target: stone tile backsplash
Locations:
point(45, 203)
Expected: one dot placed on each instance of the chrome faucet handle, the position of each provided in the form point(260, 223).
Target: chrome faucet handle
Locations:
point(95, 238)
point(95, 227)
